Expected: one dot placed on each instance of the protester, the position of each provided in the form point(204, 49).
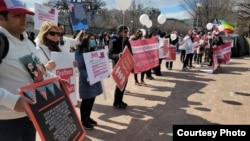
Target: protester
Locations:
point(173, 40)
point(157, 69)
point(66, 43)
point(87, 92)
point(216, 41)
point(14, 122)
point(138, 36)
point(116, 47)
point(182, 49)
point(189, 47)
point(200, 49)
point(46, 41)
point(207, 47)
point(149, 72)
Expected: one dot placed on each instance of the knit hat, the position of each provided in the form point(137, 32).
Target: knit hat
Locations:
point(121, 28)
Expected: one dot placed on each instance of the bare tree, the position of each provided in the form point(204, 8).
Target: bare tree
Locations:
point(243, 13)
point(205, 11)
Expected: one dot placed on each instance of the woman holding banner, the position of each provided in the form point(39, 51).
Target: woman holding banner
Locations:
point(138, 36)
point(87, 92)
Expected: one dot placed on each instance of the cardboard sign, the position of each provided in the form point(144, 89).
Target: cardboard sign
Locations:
point(97, 65)
point(66, 71)
point(45, 13)
point(123, 68)
point(53, 114)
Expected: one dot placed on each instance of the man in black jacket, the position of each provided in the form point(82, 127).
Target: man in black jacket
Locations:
point(116, 47)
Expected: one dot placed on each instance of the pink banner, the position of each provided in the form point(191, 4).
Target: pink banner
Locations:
point(123, 68)
point(145, 53)
point(221, 54)
point(171, 53)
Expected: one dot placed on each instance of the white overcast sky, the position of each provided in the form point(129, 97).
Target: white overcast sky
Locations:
point(171, 8)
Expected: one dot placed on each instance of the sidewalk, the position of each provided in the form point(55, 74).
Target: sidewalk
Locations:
point(177, 97)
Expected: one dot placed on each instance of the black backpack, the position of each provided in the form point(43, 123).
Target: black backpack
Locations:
point(4, 46)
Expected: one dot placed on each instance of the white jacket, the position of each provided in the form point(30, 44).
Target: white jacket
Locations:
point(13, 75)
point(189, 46)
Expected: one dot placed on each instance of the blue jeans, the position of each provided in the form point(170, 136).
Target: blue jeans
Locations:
point(21, 129)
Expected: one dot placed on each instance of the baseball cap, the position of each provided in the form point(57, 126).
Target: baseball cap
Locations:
point(14, 6)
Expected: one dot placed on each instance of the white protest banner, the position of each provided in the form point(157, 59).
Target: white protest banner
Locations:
point(65, 69)
point(97, 65)
point(45, 13)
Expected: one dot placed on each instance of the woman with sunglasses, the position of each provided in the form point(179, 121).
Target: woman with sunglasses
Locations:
point(48, 40)
point(87, 92)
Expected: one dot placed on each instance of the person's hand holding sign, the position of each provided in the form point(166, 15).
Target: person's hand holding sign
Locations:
point(120, 55)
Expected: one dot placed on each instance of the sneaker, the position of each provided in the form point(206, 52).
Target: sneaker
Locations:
point(126, 92)
point(137, 83)
point(92, 122)
point(150, 78)
point(119, 106)
point(198, 66)
point(88, 126)
point(124, 104)
point(143, 83)
point(184, 69)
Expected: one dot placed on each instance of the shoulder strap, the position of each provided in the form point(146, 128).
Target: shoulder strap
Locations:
point(4, 46)
point(44, 53)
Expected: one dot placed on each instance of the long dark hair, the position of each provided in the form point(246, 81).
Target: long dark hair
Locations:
point(84, 40)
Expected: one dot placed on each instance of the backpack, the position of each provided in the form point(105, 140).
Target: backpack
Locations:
point(4, 46)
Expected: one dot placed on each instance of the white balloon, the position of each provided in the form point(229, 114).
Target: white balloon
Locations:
point(161, 19)
point(149, 24)
point(144, 18)
point(221, 28)
point(123, 4)
point(209, 26)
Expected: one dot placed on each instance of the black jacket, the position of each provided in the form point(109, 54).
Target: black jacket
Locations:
point(116, 47)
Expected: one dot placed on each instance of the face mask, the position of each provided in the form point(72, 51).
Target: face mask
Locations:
point(92, 43)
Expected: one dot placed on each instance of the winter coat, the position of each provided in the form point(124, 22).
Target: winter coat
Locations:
point(86, 91)
point(116, 47)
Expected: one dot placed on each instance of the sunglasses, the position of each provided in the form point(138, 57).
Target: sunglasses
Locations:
point(53, 33)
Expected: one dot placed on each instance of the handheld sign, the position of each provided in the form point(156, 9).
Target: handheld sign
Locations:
point(97, 65)
point(53, 114)
point(123, 68)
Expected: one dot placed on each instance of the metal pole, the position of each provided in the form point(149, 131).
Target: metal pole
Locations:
point(197, 21)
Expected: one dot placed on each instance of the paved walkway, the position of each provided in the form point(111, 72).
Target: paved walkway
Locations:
point(177, 97)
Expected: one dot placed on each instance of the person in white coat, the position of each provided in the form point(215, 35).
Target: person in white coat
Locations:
point(189, 47)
